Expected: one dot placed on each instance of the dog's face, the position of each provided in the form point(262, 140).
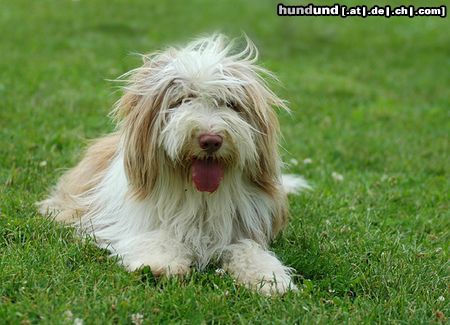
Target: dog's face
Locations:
point(209, 134)
point(203, 110)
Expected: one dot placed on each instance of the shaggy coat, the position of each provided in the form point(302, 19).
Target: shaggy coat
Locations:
point(192, 172)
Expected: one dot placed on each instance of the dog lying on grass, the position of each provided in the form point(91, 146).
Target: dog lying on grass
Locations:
point(192, 172)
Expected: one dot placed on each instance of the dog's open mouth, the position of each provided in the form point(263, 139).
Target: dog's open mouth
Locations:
point(207, 174)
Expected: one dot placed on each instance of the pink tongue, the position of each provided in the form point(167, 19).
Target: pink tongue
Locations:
point(206, 175)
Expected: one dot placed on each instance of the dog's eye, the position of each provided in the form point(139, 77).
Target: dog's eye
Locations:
point(233, 105)
point(187, 100)
point(182, 100)
point(176, 103)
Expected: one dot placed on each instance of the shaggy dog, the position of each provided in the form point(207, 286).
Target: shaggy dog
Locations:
point(192, 172)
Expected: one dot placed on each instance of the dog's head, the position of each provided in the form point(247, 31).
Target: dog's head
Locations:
point(204, 110)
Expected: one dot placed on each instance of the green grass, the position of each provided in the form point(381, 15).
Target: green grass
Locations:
point(370, 100)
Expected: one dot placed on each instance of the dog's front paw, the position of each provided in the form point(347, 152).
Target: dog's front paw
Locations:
point(160, 266)
point(257, 268)
point(275, 286)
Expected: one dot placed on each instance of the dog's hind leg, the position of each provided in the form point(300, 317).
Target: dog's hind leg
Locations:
point(64, 202)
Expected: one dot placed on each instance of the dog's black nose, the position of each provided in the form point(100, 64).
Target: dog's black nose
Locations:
point(210, 142)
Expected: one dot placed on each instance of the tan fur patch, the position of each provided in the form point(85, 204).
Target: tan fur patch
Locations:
point(80, 179)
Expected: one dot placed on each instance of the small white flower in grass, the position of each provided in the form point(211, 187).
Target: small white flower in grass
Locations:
point(337, 177)
point(220, 272)
point(68, 315)
point(307, 161)
point(43, 163)
point(441, 299)
point(294, 161)
point(137, 318)
point(78, 321)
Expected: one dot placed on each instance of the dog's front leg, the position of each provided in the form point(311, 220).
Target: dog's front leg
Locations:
point(257, 268)
point(157, 249)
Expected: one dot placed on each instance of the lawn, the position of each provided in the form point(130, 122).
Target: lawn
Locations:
point(369, 129)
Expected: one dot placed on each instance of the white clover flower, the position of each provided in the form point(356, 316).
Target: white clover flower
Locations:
point(137, 318)
point(78, 321)
point(337, 177)
point(294, 161)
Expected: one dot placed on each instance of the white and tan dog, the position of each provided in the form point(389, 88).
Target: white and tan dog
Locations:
point(192, 172)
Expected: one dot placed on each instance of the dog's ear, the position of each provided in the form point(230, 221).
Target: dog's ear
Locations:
point(125, 105)
point(140, 122)
point(268, 165)
point(267, 172)
point(139, 135)
point(260, 114)
point(267, 175)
